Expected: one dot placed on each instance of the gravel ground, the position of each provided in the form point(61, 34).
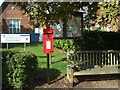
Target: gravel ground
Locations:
point(94, 81)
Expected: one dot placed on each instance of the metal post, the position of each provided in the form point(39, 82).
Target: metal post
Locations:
point(48, 68)
point(50, 59)
point(24, 46)
point(7, 46)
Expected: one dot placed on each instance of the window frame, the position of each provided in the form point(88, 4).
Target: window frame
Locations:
point(15, 27)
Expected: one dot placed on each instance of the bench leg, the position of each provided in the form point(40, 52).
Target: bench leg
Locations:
point(70, 75)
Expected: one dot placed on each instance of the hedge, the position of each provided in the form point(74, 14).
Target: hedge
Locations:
point(92, 40)
point(96, 40)
point(18, 69)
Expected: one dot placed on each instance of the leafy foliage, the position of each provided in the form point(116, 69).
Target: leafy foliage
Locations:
point(6, 55)
point(91, 15)
point(46, 13)
point(92, 40)
point(96, 40)
point(20, 68)
point(108, 13)
point(66, 44)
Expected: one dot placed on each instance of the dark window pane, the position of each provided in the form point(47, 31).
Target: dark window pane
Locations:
point(14, 30)
point(10, 31)
point(10, 23)
point(17, 30)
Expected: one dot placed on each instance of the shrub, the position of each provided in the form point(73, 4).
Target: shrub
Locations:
point(6, 55)
point(92, 40)
point(96, 40)
point(65, 44)
point(20, 68)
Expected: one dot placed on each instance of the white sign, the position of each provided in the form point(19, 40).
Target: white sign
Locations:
point(15, 38)
point(37, 30)
point(40, 31)
point(48, 45)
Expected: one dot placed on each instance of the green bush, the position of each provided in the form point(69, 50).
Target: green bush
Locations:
point(66, 44)
point(6, 55)
point(20, 68)
point(92, 40)
point(97, 40)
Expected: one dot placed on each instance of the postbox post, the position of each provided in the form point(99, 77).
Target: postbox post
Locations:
point(48, 68)
point(48, 44)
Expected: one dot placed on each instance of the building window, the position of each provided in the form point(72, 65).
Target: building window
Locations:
point(14, 26)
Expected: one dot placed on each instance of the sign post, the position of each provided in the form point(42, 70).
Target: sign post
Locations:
point(24, 46)
point(7, 46)
point(48, 43)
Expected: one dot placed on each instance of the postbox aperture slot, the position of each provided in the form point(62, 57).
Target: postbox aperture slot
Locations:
point(48, 33)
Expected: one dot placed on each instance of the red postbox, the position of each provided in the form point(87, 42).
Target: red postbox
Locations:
point(48, 41)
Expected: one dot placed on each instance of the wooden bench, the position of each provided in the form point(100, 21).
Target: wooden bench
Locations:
point(92, 63)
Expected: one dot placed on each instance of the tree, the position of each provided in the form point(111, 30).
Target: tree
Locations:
point(109, 13)
point(48, 12)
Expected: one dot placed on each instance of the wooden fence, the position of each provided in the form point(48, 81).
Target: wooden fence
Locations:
point(84, 60)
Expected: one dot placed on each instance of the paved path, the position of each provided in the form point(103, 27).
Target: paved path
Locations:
point(95, 81)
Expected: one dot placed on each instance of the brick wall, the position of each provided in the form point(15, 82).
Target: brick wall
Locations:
point(14, 12)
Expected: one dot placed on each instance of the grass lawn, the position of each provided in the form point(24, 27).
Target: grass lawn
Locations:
point(58, 65)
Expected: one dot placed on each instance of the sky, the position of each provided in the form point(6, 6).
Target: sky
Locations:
point(1, 1)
